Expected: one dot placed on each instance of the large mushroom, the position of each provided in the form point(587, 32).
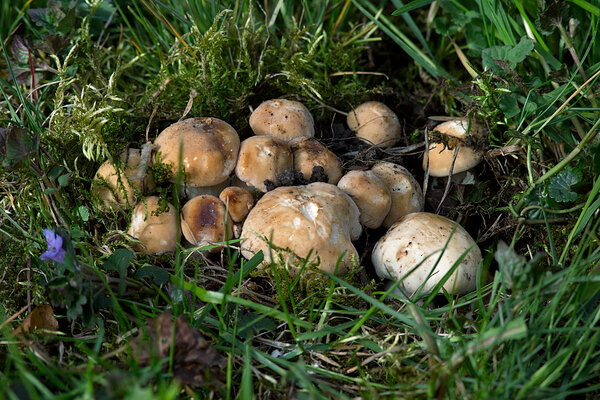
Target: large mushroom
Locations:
point(263, 158)
point(208, 150)
point(309, 153)
point(370, 194)
point(205, 221)
point(319, 220)
point(421, 248)
point(376, 123)
point(282, 119)
point(155, 225)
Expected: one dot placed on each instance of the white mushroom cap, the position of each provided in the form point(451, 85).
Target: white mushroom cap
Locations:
point(370, 194)
point(155, 228)
point(282, 119)
point(407, 196)
point(238, 201)
point(415, 237)
point(319, 219)
point(262, 158)
point(209, 150)
point(309, 153)
point(440, 156)
point(376, 123)
point(119, 189)
point(205, 221)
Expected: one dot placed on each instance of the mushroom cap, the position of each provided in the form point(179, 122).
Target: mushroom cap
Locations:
point(370, 194)
point(440, 156)
point(204, 220)
point(309, 153)
point(415, 237)
point(238, 201)
point(262, 158)
point(282, 119)
point(209, 149)
point(118, 189)
point(407, 196)
point(157, 233)
point(319, 219)
point(376, 123)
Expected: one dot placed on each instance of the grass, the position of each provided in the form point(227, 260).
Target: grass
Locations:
point(112, 74)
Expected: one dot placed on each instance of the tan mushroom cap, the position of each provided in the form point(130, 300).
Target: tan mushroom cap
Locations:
point(262, 158)
point(309, 153)
point(418, 235)
point(209, 150)
point(238, 201)
point(407, 196)
point(157, 233)
point(282, 119)
point(319, 219)
point(119, 189)
point(440, 156)
point(370, 194)
point(205, 221)
point(376, 123)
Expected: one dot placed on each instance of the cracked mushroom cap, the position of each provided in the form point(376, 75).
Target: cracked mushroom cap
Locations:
point(238, 201)
point(263, 158)
point(116, 189)
point(309, 153)
point(209, 150)
point(407, 196)
point(155, 226)
point(376, 123)
point(204, 221)
point(319, 219)
point(282, 119)
point(415, 237)
point(440, 155)
point(370, 194)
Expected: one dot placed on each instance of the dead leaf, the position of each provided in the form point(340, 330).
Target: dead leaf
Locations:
point(41, 318)
point(195, 361)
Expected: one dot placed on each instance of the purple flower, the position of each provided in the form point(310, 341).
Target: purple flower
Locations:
point(55, 251)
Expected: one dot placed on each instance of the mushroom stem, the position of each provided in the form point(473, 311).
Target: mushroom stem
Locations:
point(145, 157)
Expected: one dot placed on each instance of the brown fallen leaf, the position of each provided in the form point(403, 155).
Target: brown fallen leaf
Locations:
point(195, 361)
point(41, 317)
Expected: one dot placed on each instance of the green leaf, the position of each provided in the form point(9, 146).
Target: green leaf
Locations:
point(16, 144)
point(84, 213)
point(559, 187)
point(119, 261)
point(63, 180)
point(499, 58)
point(158, 274)
point(413, 5)
point(509, 105)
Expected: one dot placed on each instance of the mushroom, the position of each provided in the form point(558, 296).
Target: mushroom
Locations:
point(119, 189)
point(441, 155)
point(370, 194)
point(262, 158)
point(238, 201)
point(318, 221)
point(155, 225)
point(282, 119)
point(407, 196)
point(209, 150)
point(432, 244)
point(205, 221)
point(309, 153)
point(376, 123)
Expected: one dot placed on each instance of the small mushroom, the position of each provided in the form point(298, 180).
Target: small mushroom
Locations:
point(370, 194)
point(118, 189)
point(205, 221)
point(262, 158)
point(155, 225)
point(209, 150)
point(309, 153)
point(282, 119)
point(317, 219)
point(238, 201)
point(407, 196)
point(441, 155)
point(376, 123)
point(418, 240)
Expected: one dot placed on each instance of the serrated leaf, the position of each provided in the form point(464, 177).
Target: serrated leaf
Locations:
point(509, 105)
point(84, 213)
point(119, 261)
point(63, 180)
point(510, 264)
point(520, 51)
point(499, 58)
point(158, 274)
point(559, 187)
point(20, 50)
point(16, 144)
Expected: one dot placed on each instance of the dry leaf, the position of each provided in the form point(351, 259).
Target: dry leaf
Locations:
point(41, 317)
point(195, 361)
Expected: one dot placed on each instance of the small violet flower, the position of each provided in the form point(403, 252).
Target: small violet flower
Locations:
point(55, 251)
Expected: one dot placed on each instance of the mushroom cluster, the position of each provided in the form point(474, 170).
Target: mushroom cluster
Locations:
point(313, 223)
